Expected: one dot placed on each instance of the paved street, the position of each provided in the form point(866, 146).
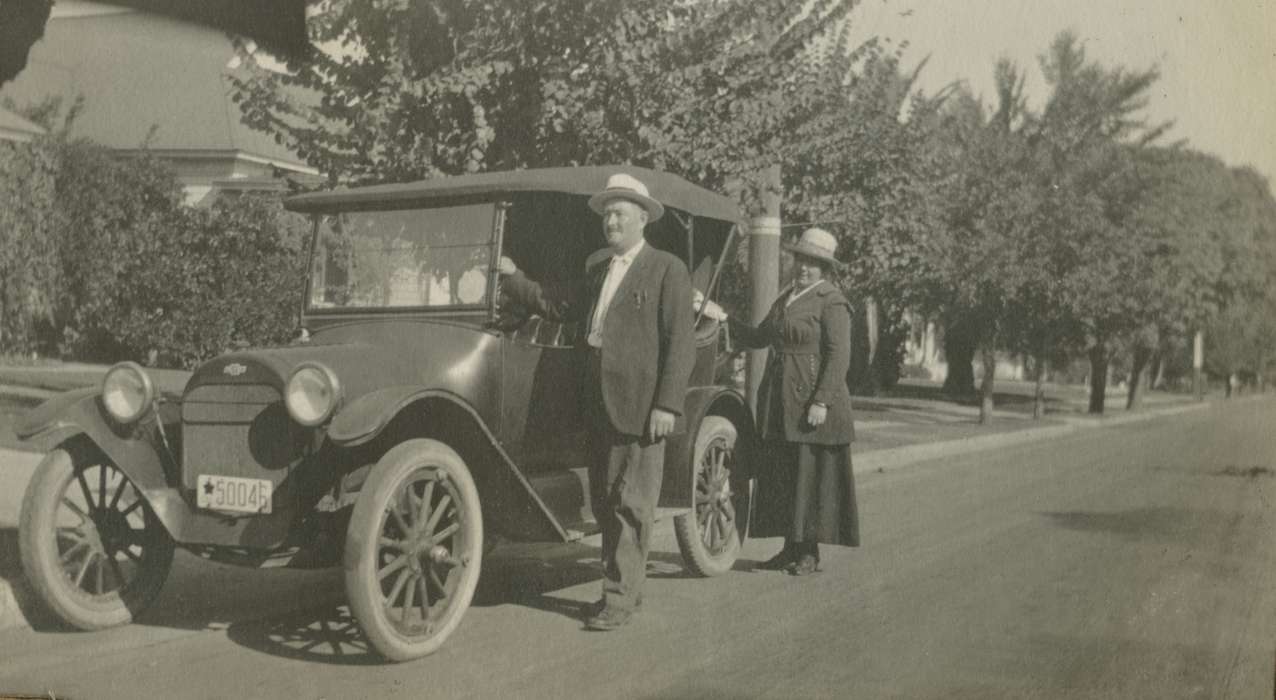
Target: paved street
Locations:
point(1125, 562)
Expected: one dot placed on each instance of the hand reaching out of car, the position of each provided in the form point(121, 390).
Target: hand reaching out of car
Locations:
point(505, 266)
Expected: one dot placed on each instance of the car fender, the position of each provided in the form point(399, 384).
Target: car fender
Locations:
point(677, 489)
point(132, 448)
point(46, 426)
point(365, 418)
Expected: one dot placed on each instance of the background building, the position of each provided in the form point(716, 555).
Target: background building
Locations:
point(15, 127)
point(157, 83)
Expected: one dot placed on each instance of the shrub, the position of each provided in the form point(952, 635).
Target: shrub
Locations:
point(28, 264)
point(111, 217)
point(218, 279)
point(104, 252)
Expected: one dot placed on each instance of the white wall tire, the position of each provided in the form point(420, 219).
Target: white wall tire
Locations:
point(92, 549)
point(414, 548)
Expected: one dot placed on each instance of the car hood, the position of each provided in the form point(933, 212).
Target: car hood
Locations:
point(369, 356)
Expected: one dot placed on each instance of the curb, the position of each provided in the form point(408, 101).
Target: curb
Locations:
point(33, 394)
point(893, 458)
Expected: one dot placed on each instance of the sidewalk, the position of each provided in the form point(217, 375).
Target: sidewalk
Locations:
point(913, 423)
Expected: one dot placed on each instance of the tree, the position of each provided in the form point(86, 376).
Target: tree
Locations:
point(1179, 216)
point(1091, 133)
point(1033, 252)
point(988, 203)
point(710, 90)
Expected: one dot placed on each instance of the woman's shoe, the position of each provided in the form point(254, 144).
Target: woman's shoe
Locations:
point(805, 565)
point(779, 562)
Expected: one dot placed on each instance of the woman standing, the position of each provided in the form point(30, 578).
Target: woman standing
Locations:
point(806, 492)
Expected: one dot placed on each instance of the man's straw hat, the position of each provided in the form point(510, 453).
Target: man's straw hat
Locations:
point(623, 186)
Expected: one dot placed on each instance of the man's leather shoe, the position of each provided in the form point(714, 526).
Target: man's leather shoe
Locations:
point(608, 619)
point(599, 605)
point(779, 562)
point(805, 565)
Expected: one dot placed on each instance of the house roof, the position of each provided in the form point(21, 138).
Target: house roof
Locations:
point(14, 127)
point(137, 70)
point(670, 190)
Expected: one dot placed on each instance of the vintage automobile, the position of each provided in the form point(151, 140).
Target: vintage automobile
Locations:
point(419, 417)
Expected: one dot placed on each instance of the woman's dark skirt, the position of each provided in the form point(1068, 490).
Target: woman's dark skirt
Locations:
point(806, 493)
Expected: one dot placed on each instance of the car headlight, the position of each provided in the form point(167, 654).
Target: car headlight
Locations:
point(312, 394)
point(127, 392)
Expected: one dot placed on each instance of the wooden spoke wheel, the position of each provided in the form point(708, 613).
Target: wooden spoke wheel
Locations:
point(414, 548)
point(92, 549)
point(709, 536)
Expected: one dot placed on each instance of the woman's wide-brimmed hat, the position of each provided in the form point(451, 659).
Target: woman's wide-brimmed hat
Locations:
point(817, 244)
point(624, 186)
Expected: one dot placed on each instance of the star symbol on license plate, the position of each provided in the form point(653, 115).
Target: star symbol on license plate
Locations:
point(208, 487)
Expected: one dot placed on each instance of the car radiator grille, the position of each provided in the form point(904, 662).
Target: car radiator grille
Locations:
point(237, 430)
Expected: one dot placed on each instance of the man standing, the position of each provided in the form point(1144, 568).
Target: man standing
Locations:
point(639, 351)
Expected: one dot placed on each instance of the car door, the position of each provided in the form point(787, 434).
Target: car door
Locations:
point(542, 402)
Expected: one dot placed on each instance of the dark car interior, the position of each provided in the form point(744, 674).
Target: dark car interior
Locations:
point(549, 236)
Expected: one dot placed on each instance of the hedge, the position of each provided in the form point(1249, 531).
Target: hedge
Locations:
point(100, 260)
point(28, 264)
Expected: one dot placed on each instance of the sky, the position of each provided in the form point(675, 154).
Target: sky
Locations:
point(1217, 58)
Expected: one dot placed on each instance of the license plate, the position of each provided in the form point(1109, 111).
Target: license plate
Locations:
point(233, 493)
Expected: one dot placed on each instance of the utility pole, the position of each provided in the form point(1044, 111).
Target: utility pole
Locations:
point(764, 270)
point(1198, 365)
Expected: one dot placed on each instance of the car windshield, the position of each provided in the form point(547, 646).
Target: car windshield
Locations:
point(402, 258)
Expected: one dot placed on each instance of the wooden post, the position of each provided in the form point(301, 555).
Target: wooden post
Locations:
point(764, 270)
point(1198, 365)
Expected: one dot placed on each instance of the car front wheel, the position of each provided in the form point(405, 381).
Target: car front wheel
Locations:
point(92, 549)
point(709, 536)
point(413, 551)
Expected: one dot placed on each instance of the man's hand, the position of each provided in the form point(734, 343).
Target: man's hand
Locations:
point(712, 310)
point(816, 414)
point(660, 424)
point(506, 267)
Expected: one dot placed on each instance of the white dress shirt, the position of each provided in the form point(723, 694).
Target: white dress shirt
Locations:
point(615, 275)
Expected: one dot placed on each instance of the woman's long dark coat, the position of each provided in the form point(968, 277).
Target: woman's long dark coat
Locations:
point(810, 342)
point(806, 488)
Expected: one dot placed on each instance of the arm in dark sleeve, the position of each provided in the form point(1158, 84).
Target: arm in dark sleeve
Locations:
point(536, 297)
point(754, 337)
point(677, 339)
point(835, 350)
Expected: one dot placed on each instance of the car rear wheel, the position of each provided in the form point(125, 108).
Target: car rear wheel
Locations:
point(709, 536)
point(413, 551)
point(92, 549)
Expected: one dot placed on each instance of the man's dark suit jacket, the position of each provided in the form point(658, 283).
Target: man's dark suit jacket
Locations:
point(648, 346)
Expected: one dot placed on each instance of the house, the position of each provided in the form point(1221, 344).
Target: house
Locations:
point(14, 127)
point(156, 83)
point(924, 350)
